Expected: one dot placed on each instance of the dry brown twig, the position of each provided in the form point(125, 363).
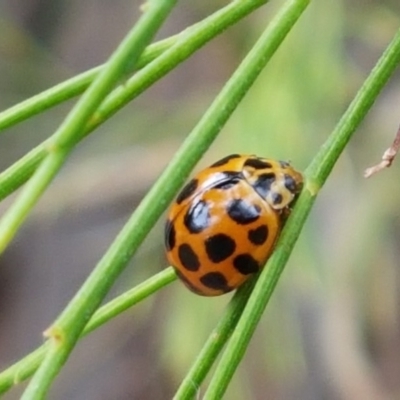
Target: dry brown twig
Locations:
point(387, 158)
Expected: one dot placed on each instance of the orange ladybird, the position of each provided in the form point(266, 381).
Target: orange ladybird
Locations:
point(224, 223)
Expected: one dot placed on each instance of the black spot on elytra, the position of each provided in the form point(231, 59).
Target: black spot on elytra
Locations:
point(170, 235)
point(215, 280)
point(227, 179)
point(245, 264)
point(224, 160)
point(187, 191)
point(259, 235)
point(197, 218)
point(243, 212)
point(219, 247)
point(257, 163)
point(263, 184)
point(188, 257)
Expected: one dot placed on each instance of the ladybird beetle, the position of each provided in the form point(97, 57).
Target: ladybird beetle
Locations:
point(225, 221)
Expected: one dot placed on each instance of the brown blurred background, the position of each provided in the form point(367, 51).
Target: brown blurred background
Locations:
point(332, 329)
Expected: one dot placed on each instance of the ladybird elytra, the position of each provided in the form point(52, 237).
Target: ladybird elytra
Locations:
point(225, 221)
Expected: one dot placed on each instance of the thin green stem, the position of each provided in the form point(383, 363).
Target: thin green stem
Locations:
point(125, 56)
point(316, 175)
point(24, 368)
point(214, 344)
point(14, 217)
point(189, 41)
point(70, 88)
point(130, 298)
point(321, 166)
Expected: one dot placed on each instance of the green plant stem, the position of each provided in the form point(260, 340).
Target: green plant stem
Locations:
point(24, 368)
point(70, 88)
point(316, 175)
point(66, 136)
point(321, 166)
point(214, 344)
point(130, 298)
point(189, 41)
point(122, 60)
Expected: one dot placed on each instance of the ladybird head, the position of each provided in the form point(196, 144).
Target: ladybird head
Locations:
point(275, 181)
point(285, 188)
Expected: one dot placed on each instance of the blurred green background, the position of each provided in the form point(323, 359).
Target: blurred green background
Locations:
point(332, 329)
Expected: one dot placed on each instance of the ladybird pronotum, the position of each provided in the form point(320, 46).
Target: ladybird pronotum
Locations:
point(223, 225)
